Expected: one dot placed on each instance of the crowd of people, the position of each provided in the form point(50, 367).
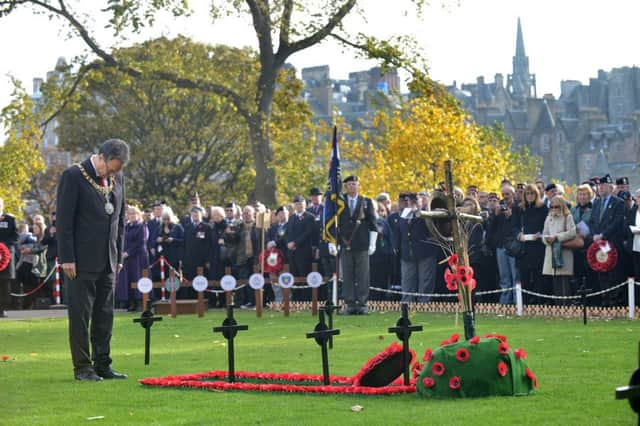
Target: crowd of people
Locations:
point(530, 234)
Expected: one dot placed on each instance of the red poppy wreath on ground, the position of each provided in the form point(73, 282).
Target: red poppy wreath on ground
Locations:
point(602, 256)
point(5, 256)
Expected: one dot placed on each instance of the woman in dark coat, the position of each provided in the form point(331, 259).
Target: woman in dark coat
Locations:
point(381, 261)
point(170, 240)
point(529, 224)
point(134, 259)
point(581, 270)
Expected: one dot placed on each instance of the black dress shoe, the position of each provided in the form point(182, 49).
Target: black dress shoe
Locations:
point(110, 374)
point(87, 375)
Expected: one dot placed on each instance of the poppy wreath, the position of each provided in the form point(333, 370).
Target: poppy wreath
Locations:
point(272, 260)
point(600, 260)
point(5, 256)
point(380, 375)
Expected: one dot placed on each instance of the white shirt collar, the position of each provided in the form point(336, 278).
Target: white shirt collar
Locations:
point(95, 171)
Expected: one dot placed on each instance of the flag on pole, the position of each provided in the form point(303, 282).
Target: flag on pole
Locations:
point(333, 201)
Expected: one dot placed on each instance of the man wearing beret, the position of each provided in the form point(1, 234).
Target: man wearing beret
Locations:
point(607, 223)
point(300, 232)
point(197, 247)
point(358, 233)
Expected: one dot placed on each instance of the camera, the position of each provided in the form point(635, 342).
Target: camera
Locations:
point(503, 206)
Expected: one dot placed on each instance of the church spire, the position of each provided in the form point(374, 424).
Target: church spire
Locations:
point(521, 84)
point(520, 42)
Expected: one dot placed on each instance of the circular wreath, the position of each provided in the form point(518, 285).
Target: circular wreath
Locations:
point(5, 256)
point(272, 260)
point(600, 260)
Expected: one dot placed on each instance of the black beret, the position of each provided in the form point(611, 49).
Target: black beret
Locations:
point(550, 187)
point(298, 199)
point(197, 209)
point(279, 209)
point(606, 179)
point(315, 191)
point(157, 203)
point(350, 178)
point(622, 181)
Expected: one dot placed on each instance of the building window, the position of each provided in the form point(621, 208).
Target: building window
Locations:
point(545, 146)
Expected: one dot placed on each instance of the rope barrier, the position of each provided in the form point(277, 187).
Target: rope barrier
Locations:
point(56, 291)
point(38, 287)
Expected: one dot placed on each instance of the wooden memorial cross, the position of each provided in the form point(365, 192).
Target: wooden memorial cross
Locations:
point(200, 308)
point(314, 293)
point(403, 330)
point(453, 216)
point(583, 291)
point(229, 329)
point(146, 320)
point(322, 334)
point(329, 308)
point(145, 296)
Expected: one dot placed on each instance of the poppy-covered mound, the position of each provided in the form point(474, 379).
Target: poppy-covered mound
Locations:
point(477, 367)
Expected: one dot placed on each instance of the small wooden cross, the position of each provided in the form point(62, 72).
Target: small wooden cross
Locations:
point(322, 334)
point(583, 291)
point(146, 320)
point(403, 330)
point(229, 329)
point(330, 308)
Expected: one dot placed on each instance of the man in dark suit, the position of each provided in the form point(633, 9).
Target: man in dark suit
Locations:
point(358, 233)
point(607, 223)
point(90, 224)
point(197, 248)
point(417, 253)
point(300, 231)
point(9, 237)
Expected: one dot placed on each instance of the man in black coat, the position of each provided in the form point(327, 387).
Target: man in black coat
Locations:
point(90, 223)
point(9, 237)
point(607, 222)
point(358, 233)
point(418, 254)
point(197, 248)
point(300, 232)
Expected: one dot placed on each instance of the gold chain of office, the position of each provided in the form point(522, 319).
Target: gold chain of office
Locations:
point(105, 190)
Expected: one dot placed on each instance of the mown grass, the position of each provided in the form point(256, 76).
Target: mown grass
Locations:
point(578, 368)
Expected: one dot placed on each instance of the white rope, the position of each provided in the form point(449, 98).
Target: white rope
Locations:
point(38, 287)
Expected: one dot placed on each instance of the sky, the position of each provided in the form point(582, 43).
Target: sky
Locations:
point(462, 39)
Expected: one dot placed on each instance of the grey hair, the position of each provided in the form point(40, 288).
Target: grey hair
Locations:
point(115, 149)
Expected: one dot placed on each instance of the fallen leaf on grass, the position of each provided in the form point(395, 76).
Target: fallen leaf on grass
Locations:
point(357, 408)
point(381, 337)
point(176, 336)
point(5, 358)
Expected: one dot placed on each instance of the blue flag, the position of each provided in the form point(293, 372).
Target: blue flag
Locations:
point(333, 201)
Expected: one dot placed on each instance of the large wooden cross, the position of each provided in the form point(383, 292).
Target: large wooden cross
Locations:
point(454, 218)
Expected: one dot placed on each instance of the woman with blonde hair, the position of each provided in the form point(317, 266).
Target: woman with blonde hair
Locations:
point(529, 220)
point(135, 259)
point(558, 262)
point(581, 212)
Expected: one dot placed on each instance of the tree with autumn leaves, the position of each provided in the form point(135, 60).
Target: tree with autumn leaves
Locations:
point(406, 149)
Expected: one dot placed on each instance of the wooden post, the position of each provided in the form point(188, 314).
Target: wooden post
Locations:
point(314, 293)
point(172, 295)
point(258, 293)
point(228, 295)
point(145, 296)
point(285, 294)
point(200, 309)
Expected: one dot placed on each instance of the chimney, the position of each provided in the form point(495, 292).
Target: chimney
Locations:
point(37, 85)
point(499, 80)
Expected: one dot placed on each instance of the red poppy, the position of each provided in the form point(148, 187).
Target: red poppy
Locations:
point(450, 279)
point(520, 353)
point(428, 354)
point(454, 337)
point(471, 284)
point(501, 337)
point(428, 382)
point(437, 368)
point(453, 286)
point(453, 260)
point(503, 348)
point(455, 383)
point(532, 377)
point(502, 369)
point(462, 355)
point(474, 340)
point(417, 369)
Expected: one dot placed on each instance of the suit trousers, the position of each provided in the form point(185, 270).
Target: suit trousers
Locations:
point(90, 298)
point(5, 298)
point(355, 277)
point(418, 276)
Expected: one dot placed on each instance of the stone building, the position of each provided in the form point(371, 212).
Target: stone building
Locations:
point(590, 130)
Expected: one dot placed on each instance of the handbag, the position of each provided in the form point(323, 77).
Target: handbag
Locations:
point(514, 247)
point(576, 243)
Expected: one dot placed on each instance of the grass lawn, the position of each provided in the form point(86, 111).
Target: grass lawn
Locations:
point(578, 368)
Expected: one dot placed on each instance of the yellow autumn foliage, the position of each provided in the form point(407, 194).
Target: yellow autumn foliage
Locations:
point(413, 142)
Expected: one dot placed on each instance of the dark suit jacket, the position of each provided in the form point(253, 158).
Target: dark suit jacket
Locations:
point(301, 231)
point(352, 234)
point(412, 238)
point(197, 248)
point(87, 235)
point(611, 226)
